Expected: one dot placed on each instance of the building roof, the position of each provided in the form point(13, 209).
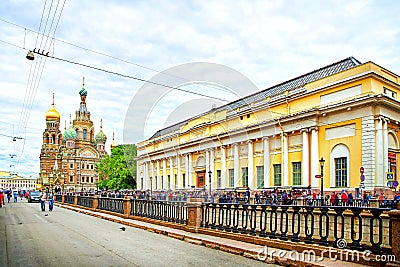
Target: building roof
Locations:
point(278, 89)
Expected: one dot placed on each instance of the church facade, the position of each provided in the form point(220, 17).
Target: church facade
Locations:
point(68, 159)
point(339, 122)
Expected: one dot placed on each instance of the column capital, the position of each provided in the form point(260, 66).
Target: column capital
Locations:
point(235, 144)
point(304, 130)
point(249, 141)
point(314, 128)
point(265, 138)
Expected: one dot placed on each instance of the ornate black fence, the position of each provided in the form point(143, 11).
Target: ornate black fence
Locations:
point(69, 199)
point(111, 204)
point(85, 201)
point(58, 198)
point(160, 210)
point(342, 227)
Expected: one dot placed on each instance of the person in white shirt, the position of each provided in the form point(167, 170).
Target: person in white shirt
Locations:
point(43, 197)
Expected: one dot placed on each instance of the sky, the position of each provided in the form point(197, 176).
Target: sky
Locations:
point(267, 42)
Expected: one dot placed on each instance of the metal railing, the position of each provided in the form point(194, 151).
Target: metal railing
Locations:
point(343, 227)
point(171, 211)
point(85, 201)
point(111, 204)
point(69, 199)
point(58, 198)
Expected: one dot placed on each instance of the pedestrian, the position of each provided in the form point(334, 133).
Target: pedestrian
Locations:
point(350, 199)
point(43, 197)
point(15, 196)
point(1, 198)
point(51, 201)
point(8, 195)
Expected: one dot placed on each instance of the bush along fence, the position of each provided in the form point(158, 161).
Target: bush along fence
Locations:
point(339, 227)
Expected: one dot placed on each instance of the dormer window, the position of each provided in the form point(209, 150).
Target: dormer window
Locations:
point(389, 93)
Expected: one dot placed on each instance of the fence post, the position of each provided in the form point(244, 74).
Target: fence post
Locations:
point(62, 198)
point(75, 199)
point(95, 202)
point(194, 216)
point(395, 220)
point(127, 206)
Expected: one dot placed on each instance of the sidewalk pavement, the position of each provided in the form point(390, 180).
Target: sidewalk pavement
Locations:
point(256, 252)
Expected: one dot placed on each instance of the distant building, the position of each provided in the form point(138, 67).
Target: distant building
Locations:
point(12, 181)
point(67, 161)
point(346, 113)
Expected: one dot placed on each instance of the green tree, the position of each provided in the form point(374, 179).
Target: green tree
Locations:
point(118, 171)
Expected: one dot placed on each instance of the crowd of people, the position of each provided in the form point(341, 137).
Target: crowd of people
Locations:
point(279, 196)
point(7, 195)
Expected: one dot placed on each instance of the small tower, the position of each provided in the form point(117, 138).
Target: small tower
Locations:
point(101, 139)
point(113, 144)
point(70, 135)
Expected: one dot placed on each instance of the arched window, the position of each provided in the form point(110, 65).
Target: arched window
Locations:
point(84, 134)
point(340, 163)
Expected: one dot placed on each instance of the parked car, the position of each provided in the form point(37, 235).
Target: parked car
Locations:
point(34, 196)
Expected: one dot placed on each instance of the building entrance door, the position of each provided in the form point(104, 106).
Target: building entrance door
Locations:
point(201, 179)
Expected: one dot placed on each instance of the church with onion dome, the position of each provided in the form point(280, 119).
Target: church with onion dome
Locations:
point(68, 159)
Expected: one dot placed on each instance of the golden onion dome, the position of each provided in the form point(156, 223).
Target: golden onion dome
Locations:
point(52, 114)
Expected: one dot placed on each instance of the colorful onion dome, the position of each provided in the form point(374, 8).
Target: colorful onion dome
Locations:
point(52, 114)
point(83, 92)
point(70, 133)
point(100, 137)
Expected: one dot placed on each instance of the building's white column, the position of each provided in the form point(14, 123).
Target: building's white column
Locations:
point(151, 177)
point(305, 172)
point(285, 160)
point(159, 182)
point(207, 164)
point(223, 167)
point(171, 174)
point(186, 170)
point(379, 160)
point(190, 178)
point(267, 163)
point(146, 175)
point(164, 171)
point(236, 164)
point(385, 137)
point(139, 163)
point(178, 171)
point(314, 158)
point(250, 164)
point(212, 169)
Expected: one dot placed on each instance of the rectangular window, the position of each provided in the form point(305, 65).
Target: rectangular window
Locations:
point(389, 93)
point(91, 166)
point(341, 172)
point(168, 181)
point(260, 176)
point(183, 181)
point(218, 178)
point(71, 178)
point(245, 176)
point(91, 180)
point(296, 166)
point(277, 175)
point(71, 165)
point(231, 178)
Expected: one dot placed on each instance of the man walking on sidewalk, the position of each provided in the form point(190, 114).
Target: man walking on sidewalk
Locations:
point(43, 197)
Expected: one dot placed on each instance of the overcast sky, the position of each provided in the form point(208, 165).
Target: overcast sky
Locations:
point(267, 41)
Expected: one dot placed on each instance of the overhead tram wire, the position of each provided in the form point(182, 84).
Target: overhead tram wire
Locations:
point(113, 57)
point(34, 80)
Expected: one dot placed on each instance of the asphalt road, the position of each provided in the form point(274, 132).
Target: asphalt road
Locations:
point(65, 238)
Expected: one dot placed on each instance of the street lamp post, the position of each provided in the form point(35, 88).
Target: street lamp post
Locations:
point(209, 181)
point(321, 164)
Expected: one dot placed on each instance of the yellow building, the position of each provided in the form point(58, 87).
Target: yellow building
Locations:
point(346, 113)
point(12, 181)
